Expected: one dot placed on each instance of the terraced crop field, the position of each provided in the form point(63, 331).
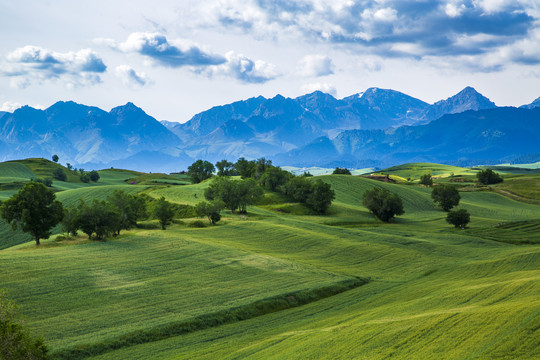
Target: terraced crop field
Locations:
point(225, 291)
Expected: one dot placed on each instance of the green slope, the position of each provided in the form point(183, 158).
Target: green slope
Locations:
point(435, 291)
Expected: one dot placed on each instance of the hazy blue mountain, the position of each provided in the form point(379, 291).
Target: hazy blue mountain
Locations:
point(374, 127)
point(535, 103)
point(81, 134)
point(466, 99)
point(473, 136)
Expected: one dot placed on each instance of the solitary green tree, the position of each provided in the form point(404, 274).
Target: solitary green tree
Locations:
point(383, 203)
point(200, 170)
point(33, 209)
point(163, 211)
point(459, 218)
point(94, 175)
point(55, 158)
point(15, 341)
point(446, 196)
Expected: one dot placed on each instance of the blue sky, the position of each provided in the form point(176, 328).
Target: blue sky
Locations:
point(177, 58)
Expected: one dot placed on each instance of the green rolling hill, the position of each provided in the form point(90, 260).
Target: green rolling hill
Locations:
point(225, 291)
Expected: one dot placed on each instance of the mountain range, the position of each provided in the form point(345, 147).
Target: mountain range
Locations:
point(378, 127)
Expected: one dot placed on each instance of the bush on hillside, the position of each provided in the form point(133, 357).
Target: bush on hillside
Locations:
point(426, 180)
point(341, 171)
point(446, 196)
point(59, 174)
point(15, 340)
point(383, 203)
point(488, 177)
point(459, 218)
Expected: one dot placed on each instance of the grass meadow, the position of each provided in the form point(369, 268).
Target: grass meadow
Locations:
point(431, 291)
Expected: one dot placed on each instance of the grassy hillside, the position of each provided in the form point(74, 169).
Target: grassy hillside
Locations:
point(434, 292)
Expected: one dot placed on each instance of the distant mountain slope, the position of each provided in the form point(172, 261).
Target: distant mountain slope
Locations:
point(535, 103)
point(486, 135)
point(81, 134)
point(466, 99)
point(348, 130)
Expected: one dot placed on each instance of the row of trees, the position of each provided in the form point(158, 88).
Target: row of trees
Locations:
point(485, 177)
point(35, 210)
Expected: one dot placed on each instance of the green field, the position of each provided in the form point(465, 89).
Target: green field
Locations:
point(434, 292)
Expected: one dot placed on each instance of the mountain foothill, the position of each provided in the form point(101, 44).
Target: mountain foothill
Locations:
point(375, 128)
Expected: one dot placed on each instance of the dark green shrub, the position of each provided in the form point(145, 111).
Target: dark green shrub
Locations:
point(341, 171)
point(459, 218)
point(196, 224)
point(488, 177)
point(383, 204)
point(59, 174)
point(446, 196)
point(426, 179)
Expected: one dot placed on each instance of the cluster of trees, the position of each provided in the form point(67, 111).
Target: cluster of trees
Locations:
point(488, 177)
point(35, 210)
point(257, 175)
point(385, 205)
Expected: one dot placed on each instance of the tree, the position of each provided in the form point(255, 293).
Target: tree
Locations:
point(99, 218)
point(274, 177)
point(235, 194)
point(15, 341)
point(210, 210)
point(93, 175)
point(426, 179)
point(85, 177)
point(225, 168)
point(46, 181)
point(446, 196)
point(321, 197)
point(383, 203)
point(59, 174)
point(297, 188)
point(200, 170)
point(488, 177)
point(459, 218)
point(245, 168)
point(69, 224)
point(69, 166)
point(33, 209)
point(261, 165)
point(341, 171)
point(163, 211)
point(55, 158)
point(129, 208)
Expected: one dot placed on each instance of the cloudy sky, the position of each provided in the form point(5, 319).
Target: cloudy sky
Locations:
point(177, 58)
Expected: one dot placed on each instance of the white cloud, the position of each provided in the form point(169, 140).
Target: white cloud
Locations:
point(454, 10)
point(324, 87)
point(130, 77)
point(315, 65)
point(242, 68)
point(157, 47)
point(34, 64)
point(10, 106)
point(371, 64)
